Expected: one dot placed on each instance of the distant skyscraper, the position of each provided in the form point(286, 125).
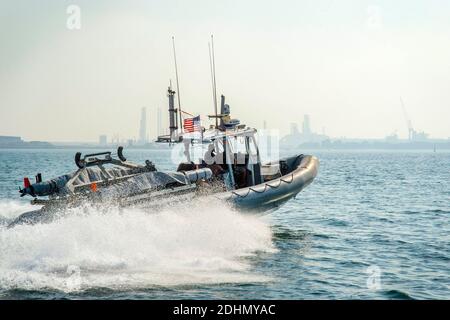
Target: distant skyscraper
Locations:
point(102, 140)
point(143, 127)
point(306, 136)
point(159, 122)
point(306, 125)
point(294, 129)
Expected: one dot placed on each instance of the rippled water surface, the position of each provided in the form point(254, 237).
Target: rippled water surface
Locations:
point(373, 225)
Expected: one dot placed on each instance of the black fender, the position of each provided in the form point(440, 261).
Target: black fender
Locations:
point(80, 163)
point(120, 154)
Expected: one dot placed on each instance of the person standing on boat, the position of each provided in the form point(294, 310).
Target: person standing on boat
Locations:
point(210, 160)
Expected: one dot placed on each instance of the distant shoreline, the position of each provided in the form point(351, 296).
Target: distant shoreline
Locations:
point(376, 145)
point(300, 147)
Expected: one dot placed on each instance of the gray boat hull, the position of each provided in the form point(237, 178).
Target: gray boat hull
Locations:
point(273, 193)
point(300, 172)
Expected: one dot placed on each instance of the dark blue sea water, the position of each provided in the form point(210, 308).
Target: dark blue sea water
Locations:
point(373, 225)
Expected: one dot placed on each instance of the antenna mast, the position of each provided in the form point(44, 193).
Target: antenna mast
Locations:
point(212, 82)
point(213, 72)
point(178, 86)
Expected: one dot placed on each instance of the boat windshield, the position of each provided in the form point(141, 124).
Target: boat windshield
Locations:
point(238, 144)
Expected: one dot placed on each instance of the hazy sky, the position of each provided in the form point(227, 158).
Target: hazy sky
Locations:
point(346, 63)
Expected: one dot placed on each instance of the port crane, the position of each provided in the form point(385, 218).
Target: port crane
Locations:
point(408, 121)
point(413, 135)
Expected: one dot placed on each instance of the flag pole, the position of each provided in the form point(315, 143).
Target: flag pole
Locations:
point(178, 86)
point(213, 75)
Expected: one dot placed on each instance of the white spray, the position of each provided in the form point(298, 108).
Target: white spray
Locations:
point(188, 244)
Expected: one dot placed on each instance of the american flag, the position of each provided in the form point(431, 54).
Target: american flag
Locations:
point(192, 124)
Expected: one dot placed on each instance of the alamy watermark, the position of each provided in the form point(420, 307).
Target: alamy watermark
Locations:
point(373, 281)
point(73, 282)
point(375, 18)
point(73, 21)
point(264, 146)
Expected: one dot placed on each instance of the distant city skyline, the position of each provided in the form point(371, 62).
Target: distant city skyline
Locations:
point(346, 64)
point(143, 137)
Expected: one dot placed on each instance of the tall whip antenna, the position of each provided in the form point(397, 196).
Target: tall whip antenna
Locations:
point(214, 79)
point(212, 82)
point(178, 86)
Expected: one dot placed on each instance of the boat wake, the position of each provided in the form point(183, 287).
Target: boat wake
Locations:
point(9, 210)
point(196, 243)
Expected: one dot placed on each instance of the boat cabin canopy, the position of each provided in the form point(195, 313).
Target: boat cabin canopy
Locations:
point(236, 152)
